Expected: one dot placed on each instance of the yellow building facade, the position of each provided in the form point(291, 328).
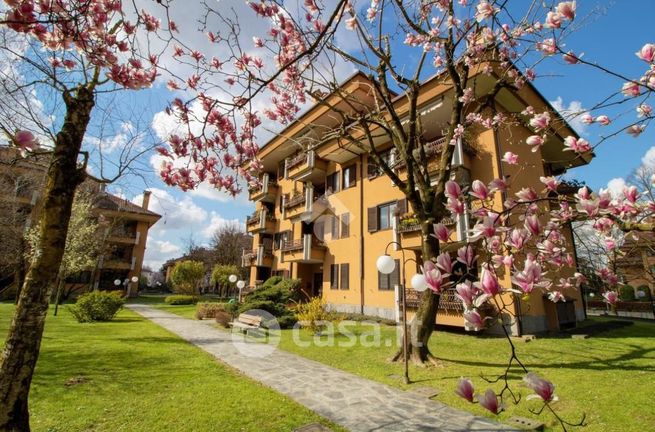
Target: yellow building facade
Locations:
point(325, 213)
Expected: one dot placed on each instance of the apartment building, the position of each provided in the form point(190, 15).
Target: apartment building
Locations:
point(123, 226)
point(325, 213)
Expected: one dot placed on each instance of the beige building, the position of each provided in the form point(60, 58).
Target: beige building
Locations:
point(123, 227)
point(325, 213)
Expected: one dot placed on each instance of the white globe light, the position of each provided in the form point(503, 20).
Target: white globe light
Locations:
point(135, 279)
point(641, 294)
point(592, 295)
point(418, 282)
point(241, 284)
point(117, 282)
point(385, 264)
point(232, 278)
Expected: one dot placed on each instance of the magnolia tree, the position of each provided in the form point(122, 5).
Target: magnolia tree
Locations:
point(77, 52)
point(243, 83)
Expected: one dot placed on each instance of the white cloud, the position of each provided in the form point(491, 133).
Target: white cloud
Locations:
point(175, 213)
point(648, 160)
point(159, 251)
point(571, 113)
point(218, 221)
point(616, 186)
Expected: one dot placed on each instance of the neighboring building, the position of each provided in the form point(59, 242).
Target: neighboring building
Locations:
point(324, 214)
point(123, 225)
point(636, 264)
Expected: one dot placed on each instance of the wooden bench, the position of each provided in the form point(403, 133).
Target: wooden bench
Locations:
point(245, 322)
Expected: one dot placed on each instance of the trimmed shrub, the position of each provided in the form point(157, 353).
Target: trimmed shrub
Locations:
point(208, 310)
point(181, 299)
point(314, 315)
point(272, 281)
point(273, 299)
point(97, 306)
point(232, 307)
point(626, 293)
point(223, 318)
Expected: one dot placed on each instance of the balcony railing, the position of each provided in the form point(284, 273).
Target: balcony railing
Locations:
point(297, 160)
point(253, 219)
point(292, 245)
point(432, 149)
point(266, 190)
point(295, 201)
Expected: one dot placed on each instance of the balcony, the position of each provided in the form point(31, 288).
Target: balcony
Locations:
point(409, 230)
point(306, 166)
point(261, 257)
point(433, 149)
point(260, 222)
point(299, 206)
point(307, 249)
point(266, 191)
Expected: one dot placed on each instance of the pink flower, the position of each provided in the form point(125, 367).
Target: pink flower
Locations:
point(567, 9)
point(517, 238)
point(631, 89)
point(473, 319)
point(587, 118)
point(498, 185)
point(577, 145)
point(351, 23)
point(510, 158)
point(479, 190)
point(553, 20)
point(530, 277)
point(441, 232)
point(466, 256)
point(556, 296)
point(526, 194)
point(550, 182)
point(465, 389)
point(484, 10)
point(644, 110)
point(647, 53)
point(532, 224)
point(540, 121)
point(548, 46)
point(467, 292)
point(543, 388)
point(453, 190)
point(25, 141)
point(603, 120)
point(433, 277)
point(489, 400)
point(455, 206)
point(570, 58)
point(489, 283)
point(445, 263)
point(635, 130)
point(611, 297)
point(535, 141)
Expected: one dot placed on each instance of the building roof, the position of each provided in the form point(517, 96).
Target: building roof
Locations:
point(107, 201)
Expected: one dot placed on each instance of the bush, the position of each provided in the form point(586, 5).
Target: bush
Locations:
point(314, 314)
point(181, 300)
point(186, 275)
point(208, 310)
point(97, 306)
point(272, 281)
point(232, 307)
point(273, 297)
point(223, 318)
point(626, 293)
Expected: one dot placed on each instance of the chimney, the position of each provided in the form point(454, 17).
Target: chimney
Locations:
point(146, 199)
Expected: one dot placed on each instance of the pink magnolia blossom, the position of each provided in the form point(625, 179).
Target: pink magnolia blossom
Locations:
point(498, 185)
point(25, 141)
point(527, 194)
point(474, 319)
point(433, 277)
point(571, 58)
point(566, 9)
point(467, 292)
point(540, 121)
point(484, 10)
point(466, 256)
point(647, 53)
point(556, 296)
point(489, 400)
point(553, 20)
point(532, 224)
point(510, 158)
point(489, 282)
point(465, 389)
point(550, 182)
point(455, 206)
point(535, 141)
point(603, 120)
point(548, 46)
point(631, 89)
point(587, 118)
point(441, 232)
point(543, 389)
point(577, 145)
point(445, 262)
point(635, 130)
point(517, 238)
point(530, 277)
point(644, 110)
point(479, 190)
point(453, 190)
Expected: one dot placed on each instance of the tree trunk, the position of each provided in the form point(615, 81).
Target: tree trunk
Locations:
point(425, 318)
point(21, 350)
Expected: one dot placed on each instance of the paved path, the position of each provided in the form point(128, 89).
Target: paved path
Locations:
point(355, 403)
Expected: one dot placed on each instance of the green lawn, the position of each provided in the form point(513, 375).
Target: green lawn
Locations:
point(610, 377)
point(131, 375)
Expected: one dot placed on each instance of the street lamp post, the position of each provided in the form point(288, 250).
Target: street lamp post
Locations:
point(240, 284)
point(233, 279)
point(386, 265)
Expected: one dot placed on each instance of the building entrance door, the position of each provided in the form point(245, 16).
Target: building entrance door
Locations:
point(317, 287)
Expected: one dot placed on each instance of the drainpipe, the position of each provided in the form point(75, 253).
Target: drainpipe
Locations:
point(361, 233)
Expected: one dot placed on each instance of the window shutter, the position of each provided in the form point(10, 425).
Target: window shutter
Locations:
point(383, 281)
point(334, 276)
point(401, 206)
point(345, 275)
point(334, 222)
point(352, 175)
point(372, 214)
point(395, 275)
point(345, 225)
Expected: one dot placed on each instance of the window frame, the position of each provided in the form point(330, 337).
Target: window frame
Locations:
point(334, 276)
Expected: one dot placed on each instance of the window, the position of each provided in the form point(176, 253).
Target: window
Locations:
point(334, 222)
point(349, 176)
point(388, 282)
point(345, 225)
point(373, 169)
point(345, 276)
point(332, 183)
point(385, 215)
point(334, 276)
point(279, 239)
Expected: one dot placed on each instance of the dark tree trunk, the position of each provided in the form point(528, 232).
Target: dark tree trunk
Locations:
point(21, 350)
point(426, 315)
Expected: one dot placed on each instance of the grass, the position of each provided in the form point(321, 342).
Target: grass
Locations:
point(610, 377)
point(131, 375)
point(157, 300)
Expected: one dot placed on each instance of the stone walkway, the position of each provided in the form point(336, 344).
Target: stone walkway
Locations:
point(355, 403)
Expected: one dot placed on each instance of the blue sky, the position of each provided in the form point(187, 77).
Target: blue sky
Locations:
point(608, 34)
